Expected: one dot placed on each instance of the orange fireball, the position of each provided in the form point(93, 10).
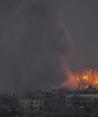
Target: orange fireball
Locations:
point(87, 77)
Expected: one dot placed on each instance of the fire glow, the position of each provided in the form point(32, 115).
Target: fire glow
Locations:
point(82, 79)
point(86, 78)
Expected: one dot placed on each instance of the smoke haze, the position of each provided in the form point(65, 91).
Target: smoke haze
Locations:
point(33, 44)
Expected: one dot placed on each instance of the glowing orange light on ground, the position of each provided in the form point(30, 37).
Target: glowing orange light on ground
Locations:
point(96, 82)
point(86, 78)
point(81, 79)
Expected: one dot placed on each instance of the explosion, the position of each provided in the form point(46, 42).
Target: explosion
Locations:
point(83, 79)
point(86, 78)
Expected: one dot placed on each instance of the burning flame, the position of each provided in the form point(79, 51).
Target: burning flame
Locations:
point(81, 79)
point(86, 78)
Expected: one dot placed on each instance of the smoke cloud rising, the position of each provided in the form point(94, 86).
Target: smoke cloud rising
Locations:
point(33, 44)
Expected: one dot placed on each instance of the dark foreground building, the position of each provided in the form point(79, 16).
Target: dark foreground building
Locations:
point(57, 103)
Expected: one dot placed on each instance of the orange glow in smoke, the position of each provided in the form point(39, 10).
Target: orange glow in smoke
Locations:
point(81, 79)
point(86, 78)
point(70, 82)
point(96, 82)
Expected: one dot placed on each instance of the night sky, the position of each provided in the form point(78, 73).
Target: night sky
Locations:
point(35, 41)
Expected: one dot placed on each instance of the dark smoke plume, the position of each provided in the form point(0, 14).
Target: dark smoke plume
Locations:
point(33, 44)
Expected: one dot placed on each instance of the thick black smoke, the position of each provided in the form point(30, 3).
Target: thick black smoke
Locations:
point(33, 44)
